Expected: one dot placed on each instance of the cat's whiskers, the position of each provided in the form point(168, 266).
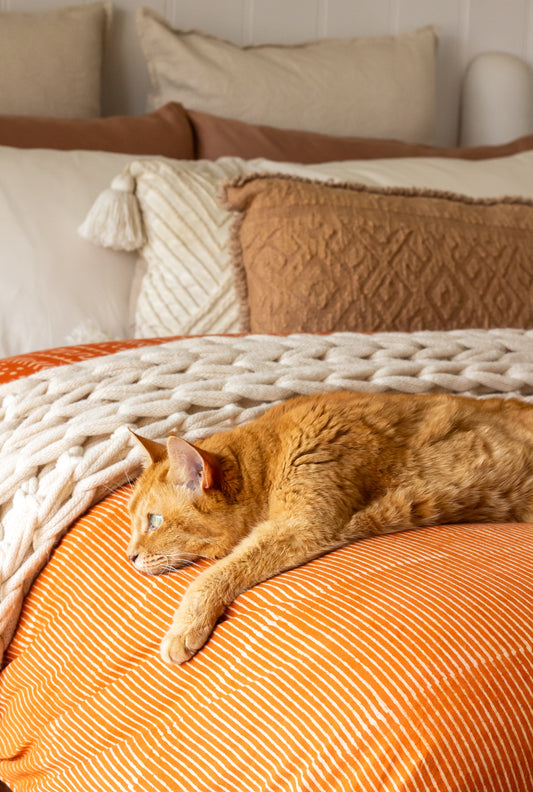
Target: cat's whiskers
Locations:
point(108, 489)
point(130, 482)
point(172, 568)
point(183, 559)
point(163, 563)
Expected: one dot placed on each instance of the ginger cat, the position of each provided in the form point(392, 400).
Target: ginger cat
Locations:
point(316, 473)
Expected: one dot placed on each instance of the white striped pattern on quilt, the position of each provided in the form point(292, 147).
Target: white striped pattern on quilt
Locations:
point(398, 664)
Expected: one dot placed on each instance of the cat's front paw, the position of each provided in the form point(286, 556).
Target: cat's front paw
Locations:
point(194, 621)
point(182, 642)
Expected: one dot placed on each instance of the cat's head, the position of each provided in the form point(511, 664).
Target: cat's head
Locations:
point(181, 507)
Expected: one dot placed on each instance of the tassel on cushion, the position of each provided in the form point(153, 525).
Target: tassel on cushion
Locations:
point(114, 220)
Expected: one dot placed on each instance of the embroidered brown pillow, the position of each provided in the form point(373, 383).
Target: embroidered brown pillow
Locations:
point(315, 257)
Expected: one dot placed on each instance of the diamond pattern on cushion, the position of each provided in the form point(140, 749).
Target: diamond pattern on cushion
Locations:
point(317, 257)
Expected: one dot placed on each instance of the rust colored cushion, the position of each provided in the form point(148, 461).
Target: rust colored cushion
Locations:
point(315, 257)
point(166, 133)
point(226, 137)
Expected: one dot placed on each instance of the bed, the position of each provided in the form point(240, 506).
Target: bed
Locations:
point(193, 264)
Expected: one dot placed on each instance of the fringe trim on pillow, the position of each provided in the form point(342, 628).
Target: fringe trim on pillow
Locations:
point(355, 186)
point(236, 258)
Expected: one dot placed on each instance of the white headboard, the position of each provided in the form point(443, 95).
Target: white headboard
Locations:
point(467, 27)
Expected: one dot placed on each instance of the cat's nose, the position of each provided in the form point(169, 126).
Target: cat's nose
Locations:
point(133, 558)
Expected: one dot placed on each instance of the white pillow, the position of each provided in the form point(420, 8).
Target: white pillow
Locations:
point(52, 281)
point(188, 285)
point(382, 86)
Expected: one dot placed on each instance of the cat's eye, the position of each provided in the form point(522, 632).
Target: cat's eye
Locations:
point(154, 521)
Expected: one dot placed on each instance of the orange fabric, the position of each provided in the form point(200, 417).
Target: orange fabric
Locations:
point(399, 663)
point(12, 368)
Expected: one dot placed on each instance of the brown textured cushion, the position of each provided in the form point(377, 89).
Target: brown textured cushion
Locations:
point(166, 133)
point(226, 137)
point(315, 257)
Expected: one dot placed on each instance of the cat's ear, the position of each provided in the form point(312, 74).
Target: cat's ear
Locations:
point(191, 467)
point(156, 451)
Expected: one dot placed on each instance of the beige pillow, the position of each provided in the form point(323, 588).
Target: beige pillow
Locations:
point(315, 257)
point(50, 63)
point(186, 283)
point(370, 87)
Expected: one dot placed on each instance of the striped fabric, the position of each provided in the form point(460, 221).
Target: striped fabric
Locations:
point(398, 664)
point(401, 663)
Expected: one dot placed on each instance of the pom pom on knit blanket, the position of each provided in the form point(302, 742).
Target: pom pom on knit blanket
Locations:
point(64, 431)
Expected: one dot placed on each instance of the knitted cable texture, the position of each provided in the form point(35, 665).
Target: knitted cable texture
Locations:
point(64, 431)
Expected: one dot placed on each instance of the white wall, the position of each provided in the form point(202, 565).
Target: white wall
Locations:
point(467, 28)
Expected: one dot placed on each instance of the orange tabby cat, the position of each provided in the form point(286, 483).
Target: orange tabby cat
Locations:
point(313, 474)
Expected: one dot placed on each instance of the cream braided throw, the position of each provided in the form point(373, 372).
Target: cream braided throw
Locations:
point(64, 432)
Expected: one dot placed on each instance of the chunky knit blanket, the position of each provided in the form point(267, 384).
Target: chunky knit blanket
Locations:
point(64, 431)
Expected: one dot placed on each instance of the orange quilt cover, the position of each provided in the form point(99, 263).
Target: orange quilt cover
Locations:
point(400, 663)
